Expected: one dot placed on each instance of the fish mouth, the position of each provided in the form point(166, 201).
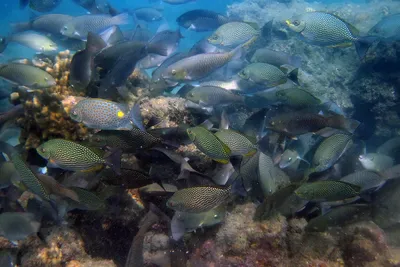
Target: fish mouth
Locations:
point(288, 22)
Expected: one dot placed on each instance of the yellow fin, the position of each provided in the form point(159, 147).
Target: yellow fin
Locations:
point(120, 114)
point(341, 45)
point(250, 153)
point(223, 161)
point(94, 168)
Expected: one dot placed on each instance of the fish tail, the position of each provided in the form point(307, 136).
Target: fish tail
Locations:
point(120, 19)
point(293, 76)
point(136, 117)
point(114, 160)
point(363, 44)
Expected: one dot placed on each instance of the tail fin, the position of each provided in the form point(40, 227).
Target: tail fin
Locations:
point(120, 19)
point(363, 43)
point(20, 27)
point(114, 160)
point(293, 76)
point(266, 30)
point(136, 118)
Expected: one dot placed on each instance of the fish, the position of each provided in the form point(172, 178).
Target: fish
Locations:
point(168, 39)
point(11, 114)
point(327, 190)
point(80, 26)
point(329, 152)
point(7, 259)
point(72, 156)
point(365, 179)
point(55, 188)
point(86, 200)
point(227, 85)
point(46, 23)
point(324, 29)
point(387, 29)
point(95, 6)
point(196, 67)
point(103, 114)
point(139, 34)
point(16, 226)
point(203, 47)
point(26, 76)
point(298, 149)
point(128, 141)
point(338, 217)
point(43, 5)
point(199, 198)
point(211, 96)
point(239, 144)
point(81, 68)
point(147, 14)
point(35, 41)
point(178, 2)
point(187, 222)
point(376, 162)
point(276, 58)
point(129, 178)
point(390, 147)
point(232, 34)
point(26, 175)
point(209, 144)
point(283, 201)
point(201, 20)
point(296, 123)
point(267, 75)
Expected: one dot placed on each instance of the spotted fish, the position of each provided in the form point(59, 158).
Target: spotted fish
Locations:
point(106, 115)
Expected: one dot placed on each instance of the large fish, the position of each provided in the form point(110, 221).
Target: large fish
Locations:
point(276, 58)
point(325, 29)
point(327, 190)
point(106, 115)
point(47, 23)
point(233, 34)
point(72, 156)
point(201, 20)
point(79, 27)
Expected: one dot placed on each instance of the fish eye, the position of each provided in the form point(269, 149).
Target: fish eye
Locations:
point(43, 150)
point(290, 159)
point(65, 28)
point(46, 79)
point(173, 72)
point(296, 23)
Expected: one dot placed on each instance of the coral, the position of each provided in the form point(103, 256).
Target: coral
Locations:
point(44, 115)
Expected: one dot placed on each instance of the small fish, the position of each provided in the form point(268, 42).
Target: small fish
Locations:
point(209, 144)
point(276, 58)
point(199, 198)
point(338, 217)
point(47, 23)
point(325, 29)
point(17, 226)
point(187, 222)
point(106, 115)
point(388, 28)
point(376, 162)
point(196, 67)
point(86, 200)
point(35, 41)
point(267, 75)
point(82, 64)
point(365, 179)
point(212, 96)
point(72, 156)
point(26, 76)
point(232, 34)
point(147, 14)
point(327, 190)
point(329, 152)
point(200, 20)
point(55, 188)
point(300, 122)
point(239, 144)
point(79, 27)
point(178, 2)
point(44, 5)
point(227, 85)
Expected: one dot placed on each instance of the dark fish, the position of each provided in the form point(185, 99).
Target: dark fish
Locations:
point(82, 64)
point(338, 217)
point(325, 29)
point(297, 123)
point(11, 114)
point(129, 177)
point(47, 23)
point(387, 28)
point(139, 34)
point(202, 47)
point(276, 58)
point(327, 190)
point(17, 226)
point(199, 198)
point(201, 20)
point(44, 5)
